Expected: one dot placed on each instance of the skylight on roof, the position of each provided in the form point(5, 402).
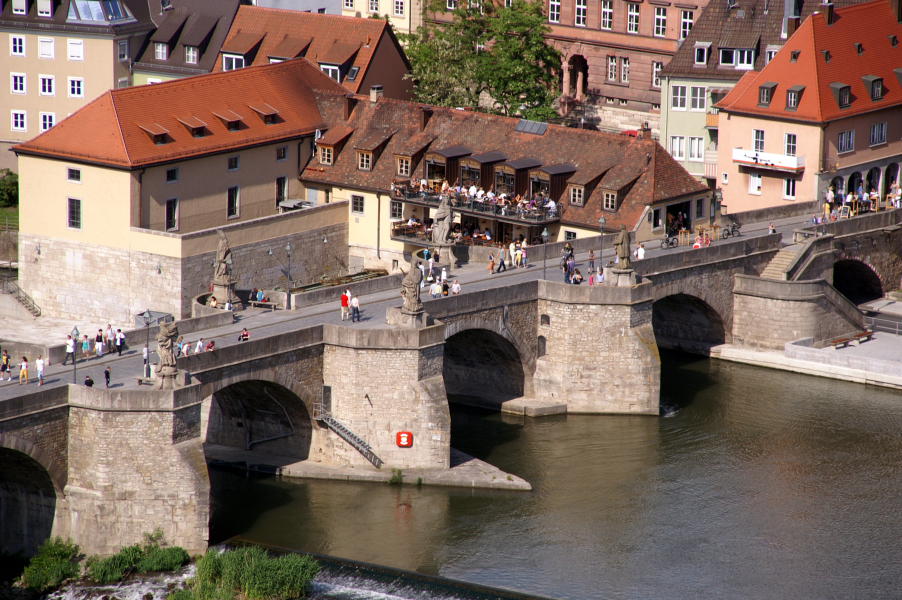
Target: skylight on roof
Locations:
point(533, 127)
point(98, 11)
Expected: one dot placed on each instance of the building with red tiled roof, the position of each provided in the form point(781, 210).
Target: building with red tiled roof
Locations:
point(356, 52)
point(376, 146)
point(823, 113)
point(132, 188)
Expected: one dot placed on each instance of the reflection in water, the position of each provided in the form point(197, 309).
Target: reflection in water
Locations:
point(762, 484)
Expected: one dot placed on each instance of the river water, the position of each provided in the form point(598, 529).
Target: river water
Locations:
point(760, 484)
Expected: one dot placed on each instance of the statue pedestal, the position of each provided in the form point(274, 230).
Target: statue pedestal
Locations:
point(396, 317)
point(226, 291)
point(169, 378)
point(445, 256)
point(620, 277)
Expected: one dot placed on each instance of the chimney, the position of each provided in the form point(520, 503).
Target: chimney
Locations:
point(375, 93)
point(350, 103)
point(425, 116)
point(644, 132)
point(829, 13)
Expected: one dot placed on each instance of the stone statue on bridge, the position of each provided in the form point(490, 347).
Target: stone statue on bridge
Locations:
point(441, 226)
point(622, 248)
point(166, 340)
point(410, 289)
point(223, 278)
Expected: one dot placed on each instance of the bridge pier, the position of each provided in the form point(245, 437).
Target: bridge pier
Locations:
point(597, 349)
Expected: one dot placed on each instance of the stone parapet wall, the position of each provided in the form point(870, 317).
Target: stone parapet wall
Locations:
point(359, 288)
point(769, 313)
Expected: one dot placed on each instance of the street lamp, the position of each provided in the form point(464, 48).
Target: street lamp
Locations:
point(147, 319)
point(544, 251)
point(601, 223)
point(288, 252)
point(75, 333)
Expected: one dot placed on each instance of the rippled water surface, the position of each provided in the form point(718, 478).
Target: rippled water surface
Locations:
point(759, 485)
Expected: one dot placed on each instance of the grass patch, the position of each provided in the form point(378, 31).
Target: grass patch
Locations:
point(149, 557)
point(251, 574)
point(55, 562)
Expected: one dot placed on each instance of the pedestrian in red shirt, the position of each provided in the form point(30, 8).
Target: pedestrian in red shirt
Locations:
point(345, 304)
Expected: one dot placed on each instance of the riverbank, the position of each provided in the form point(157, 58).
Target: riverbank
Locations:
point(465, 471)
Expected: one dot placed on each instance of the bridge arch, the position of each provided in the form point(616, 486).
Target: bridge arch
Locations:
point(28, 496)
point(686, 322)
point(483, 364)
point(857, 280)
point(257, 415)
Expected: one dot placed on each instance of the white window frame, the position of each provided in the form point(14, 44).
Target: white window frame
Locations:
point(656, 74)
point(789, 188)
point(678, 147)
point(44, 119)
point(612, 68)
point(744, 58)
point(231, 62)
point(19, 7)
point(731, 61)
point(192, 55)
point(609, 201)
point(792, 99)
point(14, 42)
point(845, 141)
point(451, 4)
point(349, 4)
point(554, 11)
point(122, 50)
point(12, 83)
point(355, 198)
point(755, 183)
point(607, 14)
point(160, 51)
point(44, 8)
point(75, 49)
point(51, 79)
point(81, 221)
point(399, 8)
point(577, 195)
point(13, 114)
point(175, 225)
point(698, 98)
point(879, 129)
point(364, 160)
point(402, 166)
point(696, 149)
point(374, 6)
point(790, 144)
point(46, 48)
point(624, 69)
point(632, 17)
point(678, 97)
point(237, 212)
point(769, 55)
point(332, 71)
point(687, 20)
point(326, 155)
point(660, 29)
point(758, 140)
point(705, 50)
point(581, 16)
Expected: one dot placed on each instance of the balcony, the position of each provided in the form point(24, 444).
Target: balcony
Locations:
point(487, 209)
point(769, 161)
point(711, 118)
point(711, 164)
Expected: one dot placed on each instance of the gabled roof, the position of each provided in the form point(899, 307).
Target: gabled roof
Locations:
point(328, 39)
point(197, 23)
point(821, 58)
point(114, 18)
point(737, 24)
point(118, 128)
point(563, 153)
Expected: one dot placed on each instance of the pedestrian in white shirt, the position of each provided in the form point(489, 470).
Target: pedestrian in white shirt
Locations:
point(199, 347)
point(39, 364)
point(355, 309)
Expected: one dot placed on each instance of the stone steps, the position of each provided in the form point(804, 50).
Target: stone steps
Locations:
point(776, 268)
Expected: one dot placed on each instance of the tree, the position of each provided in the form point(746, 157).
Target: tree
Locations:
point(497, 50)
point(9, 188)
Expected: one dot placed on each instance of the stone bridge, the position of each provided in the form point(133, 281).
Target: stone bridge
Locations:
point(103, 466)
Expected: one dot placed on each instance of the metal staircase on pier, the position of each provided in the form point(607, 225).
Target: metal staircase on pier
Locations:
point(9, 286)
point(780, 263)
point(322, 415)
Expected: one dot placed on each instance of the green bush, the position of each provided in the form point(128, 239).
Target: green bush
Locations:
point(110, 570)
point(252, 574)
point(162, 559)
point(54, 563)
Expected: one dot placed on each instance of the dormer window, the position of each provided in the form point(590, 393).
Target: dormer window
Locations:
point(794, 55)
point(842, 93)
point(161, 51)
point(44, 8)
point(877, 89)
point(325, 155)
point(766, 93)
point(230, 62)
point(403, 163)
point(745, 58)
point(191, 55)
point(610, 201)
point(701, 53)
point(332, 71)
point(794, 96)
point(352, 74)
point(18, 7)
point(158, 134)
point(577, 195)
point(268, 114)
point(364, 160)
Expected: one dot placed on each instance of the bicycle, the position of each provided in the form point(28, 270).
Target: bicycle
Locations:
point(731, 230)
point(669, 241)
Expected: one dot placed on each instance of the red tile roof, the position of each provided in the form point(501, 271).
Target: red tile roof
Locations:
point(117, 128)
point(803, 61)
point(329, 39)
point(639, 168)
